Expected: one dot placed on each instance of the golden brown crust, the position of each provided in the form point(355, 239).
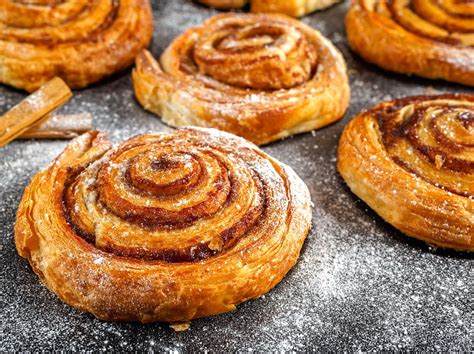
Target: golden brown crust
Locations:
point(80, 41)
point(432, 39)
point(163, 227)
point(412, 161)
point(263, 77)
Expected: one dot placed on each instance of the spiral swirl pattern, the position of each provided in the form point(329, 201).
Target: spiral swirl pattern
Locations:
point(412, 160)
point(448, 21)
point(262, 77)
point(81, 41)
point(201, 207)
point(156, 193)
point(430, 38)
point(274, 56)
point(434, 140)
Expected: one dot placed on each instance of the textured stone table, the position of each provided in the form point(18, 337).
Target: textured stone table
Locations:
point(359, 284)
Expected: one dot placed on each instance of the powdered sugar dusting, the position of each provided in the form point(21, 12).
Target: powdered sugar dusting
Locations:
point(359, 284)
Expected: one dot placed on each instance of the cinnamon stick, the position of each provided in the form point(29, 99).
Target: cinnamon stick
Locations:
point(33, 109)
point(60, 127)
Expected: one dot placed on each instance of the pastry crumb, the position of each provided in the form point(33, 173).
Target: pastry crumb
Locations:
point(430, 90)
point(180, 326)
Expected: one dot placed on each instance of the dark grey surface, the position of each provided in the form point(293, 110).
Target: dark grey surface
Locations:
point(359, 284)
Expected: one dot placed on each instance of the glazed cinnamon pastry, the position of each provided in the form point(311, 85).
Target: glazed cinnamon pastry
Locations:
point(295, 8)
point(263, 77)
point(162, 227)
point(412, 161)
point(81, 41)
point(429, 38)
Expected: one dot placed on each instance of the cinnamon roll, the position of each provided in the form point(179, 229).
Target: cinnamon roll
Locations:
point(263, 77)
point(164, 226)
point(412, 161)
point(295, 8)
point(429, 38)
point(80, 41)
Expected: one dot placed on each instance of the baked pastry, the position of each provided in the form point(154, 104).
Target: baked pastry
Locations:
point(224, 4)
point(295, 8)
point(162, 227)
point(81, 41)
point(412, 161)
point(428, 38)
point(263, 77)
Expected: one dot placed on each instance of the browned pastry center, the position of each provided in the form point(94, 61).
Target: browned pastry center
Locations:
point(162, 227)
point(263, 77)
point(80, 41)
point(430, 38)
point(412, 160)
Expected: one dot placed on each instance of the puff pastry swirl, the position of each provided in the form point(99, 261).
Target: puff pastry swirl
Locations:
point(429, 38)
point(295, 8)
point(263, 77)
point(164, 226)
point(81, 41)
point(412, 161)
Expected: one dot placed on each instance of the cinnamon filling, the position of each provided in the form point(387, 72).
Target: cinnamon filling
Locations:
point(261, 55)
point(449, 21)
point(127, 191)
point(433, 139)
point(82, 22)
